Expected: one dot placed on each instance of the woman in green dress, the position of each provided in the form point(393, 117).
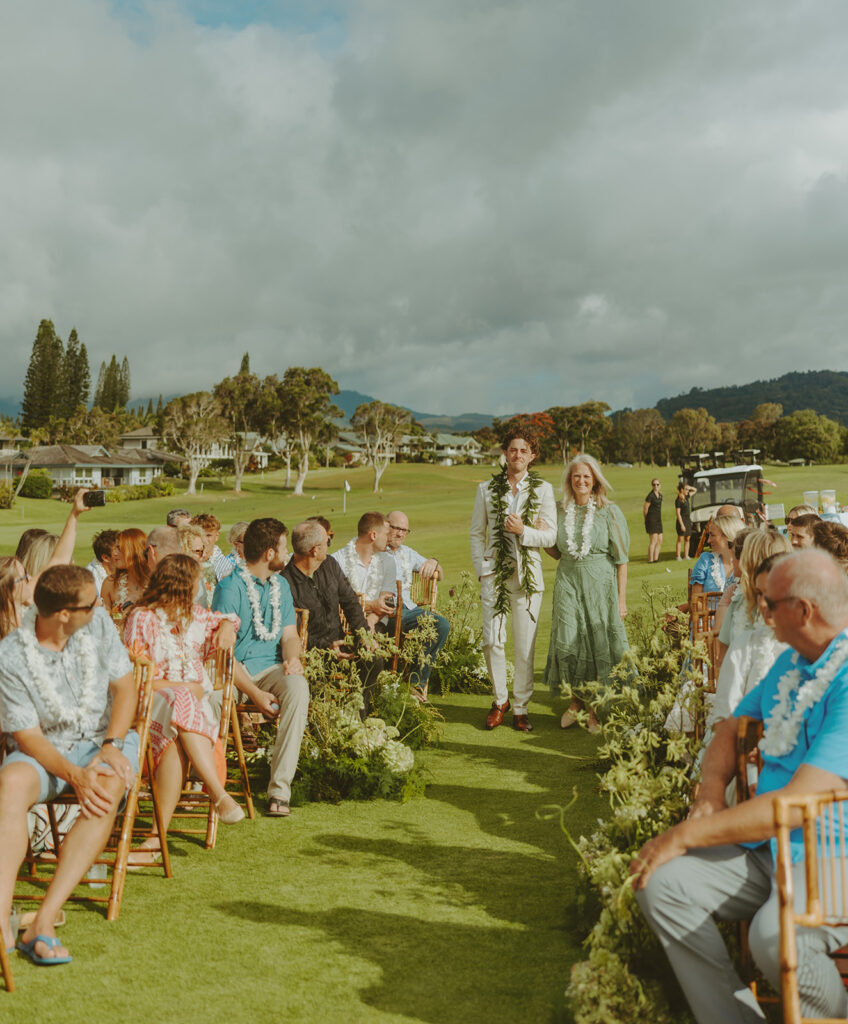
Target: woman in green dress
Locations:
point(587, 631)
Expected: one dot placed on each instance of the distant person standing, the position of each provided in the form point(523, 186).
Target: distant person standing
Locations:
point(683, 520)
point(652, 512)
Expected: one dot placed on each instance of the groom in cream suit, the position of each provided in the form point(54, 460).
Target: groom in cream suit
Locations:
point(506, 557)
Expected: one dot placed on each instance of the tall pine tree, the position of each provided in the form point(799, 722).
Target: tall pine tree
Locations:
point(44, 377)
point(113, 385)
point(76, 378)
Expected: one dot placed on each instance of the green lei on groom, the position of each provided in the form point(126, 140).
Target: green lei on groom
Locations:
point(505, 564)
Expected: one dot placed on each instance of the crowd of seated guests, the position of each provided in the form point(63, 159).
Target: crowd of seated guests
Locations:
point(172, 595)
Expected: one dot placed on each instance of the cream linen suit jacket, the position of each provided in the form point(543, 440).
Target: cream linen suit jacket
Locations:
point(483, 529)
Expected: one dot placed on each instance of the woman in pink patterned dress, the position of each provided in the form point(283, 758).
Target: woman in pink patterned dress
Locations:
point(179, 636)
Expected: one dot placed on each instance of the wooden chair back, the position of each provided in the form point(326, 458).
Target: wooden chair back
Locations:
point(424, 591)
point(749, 760)
point(702, 612)
point(824, 827)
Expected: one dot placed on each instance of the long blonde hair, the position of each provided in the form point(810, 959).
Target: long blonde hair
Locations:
point(601, 485)
point(757, 547)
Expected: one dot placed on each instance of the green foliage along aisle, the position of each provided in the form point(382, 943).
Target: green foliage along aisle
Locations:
point(648, 779)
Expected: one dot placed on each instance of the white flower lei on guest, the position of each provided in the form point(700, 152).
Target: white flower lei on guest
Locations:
point(571, 524)
point(719, 578)
point(176, 658)
point(253, 597)
point(90, 702)
point(784, 722)
point(351, 557)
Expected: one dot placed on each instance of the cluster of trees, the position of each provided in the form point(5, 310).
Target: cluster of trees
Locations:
point(57, 387)
point(643, 436)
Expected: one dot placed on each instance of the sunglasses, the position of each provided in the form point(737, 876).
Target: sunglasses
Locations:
point(772, 602)
point(82, 607)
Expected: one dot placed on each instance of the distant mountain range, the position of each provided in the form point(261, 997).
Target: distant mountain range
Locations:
point(347, 401)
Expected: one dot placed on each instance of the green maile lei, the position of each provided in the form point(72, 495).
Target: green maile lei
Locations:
point(505, 564)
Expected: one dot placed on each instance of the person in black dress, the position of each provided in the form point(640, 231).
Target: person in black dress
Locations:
point(653, 520)
point(683, 520)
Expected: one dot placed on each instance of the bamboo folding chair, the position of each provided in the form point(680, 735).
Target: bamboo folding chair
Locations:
point(424, 591)
point(116, 853)
point(196, 805)
point(824, 826)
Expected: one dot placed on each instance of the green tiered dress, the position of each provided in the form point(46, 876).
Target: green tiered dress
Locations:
point(587, 635)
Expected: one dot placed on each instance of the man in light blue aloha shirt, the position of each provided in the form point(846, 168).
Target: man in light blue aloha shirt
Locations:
point(719, 864)
point(67, 701)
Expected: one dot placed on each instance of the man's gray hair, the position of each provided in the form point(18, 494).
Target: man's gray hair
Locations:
point(175, 515)
point(817, 577)
point(165, 539)
point(306, 536)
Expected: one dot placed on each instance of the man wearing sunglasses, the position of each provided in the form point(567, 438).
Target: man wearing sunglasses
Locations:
point(67, 701)
point(719, 863)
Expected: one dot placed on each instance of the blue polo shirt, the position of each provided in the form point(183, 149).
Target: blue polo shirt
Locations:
point(824, 728)
point(230, 595)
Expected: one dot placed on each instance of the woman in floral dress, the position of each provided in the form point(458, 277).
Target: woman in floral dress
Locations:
point(179, 636)
point(121, 592)
point(587, 631)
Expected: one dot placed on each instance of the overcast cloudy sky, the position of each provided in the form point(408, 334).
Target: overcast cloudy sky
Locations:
point(456, 205)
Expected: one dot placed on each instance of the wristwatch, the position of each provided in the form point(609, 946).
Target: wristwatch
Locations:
point(115, 741)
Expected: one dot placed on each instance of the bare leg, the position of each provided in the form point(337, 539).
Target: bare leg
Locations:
point(82, 844)
point(19, 789)
point(199, 749)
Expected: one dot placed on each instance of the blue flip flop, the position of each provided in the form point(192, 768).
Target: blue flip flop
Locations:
point(28, 950)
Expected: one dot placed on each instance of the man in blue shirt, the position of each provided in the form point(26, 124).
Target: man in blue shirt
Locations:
point(718, 864)
point(267, 651)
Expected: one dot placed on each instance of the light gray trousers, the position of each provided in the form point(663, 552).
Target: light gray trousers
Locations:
point(525, 623)
point(292, 693)
point(686, 896)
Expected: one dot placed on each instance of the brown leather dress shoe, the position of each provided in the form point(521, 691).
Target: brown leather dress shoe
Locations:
point(521, 723)
point(496, 715)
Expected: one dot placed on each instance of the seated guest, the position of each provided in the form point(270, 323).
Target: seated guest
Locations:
point(273, 680)
point(408, 561)
point(327, 526)
point(100, 566)
point(179, 636)
point(800, 510)
point(236, 539)
point(319, 585)
point(732, 597)
point(800, 530)
point(37, 549)
point(193, 543)
point(718, 864)
point(16, 588)
point(752, 652)
point(214, 561)
point(178, 517)
point(126, 585)
point(67, 701)
point(833, 538)
point(369, 570)
point(161, 542)
point(713, 570)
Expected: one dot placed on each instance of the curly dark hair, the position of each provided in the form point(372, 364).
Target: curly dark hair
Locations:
point(172, 586)
point(523, 433)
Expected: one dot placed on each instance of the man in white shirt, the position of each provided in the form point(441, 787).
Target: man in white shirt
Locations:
point(505, 554)
point(408, 561)
point(369, 569)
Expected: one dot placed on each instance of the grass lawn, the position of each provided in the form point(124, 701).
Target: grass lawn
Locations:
point(452, 909)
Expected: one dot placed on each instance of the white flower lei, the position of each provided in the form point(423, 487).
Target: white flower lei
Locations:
point(719, 578)
point(90, 702)
point(371, 588)
point(176, 658)
point(784, 722)
point(571, 524)
point(253, 597)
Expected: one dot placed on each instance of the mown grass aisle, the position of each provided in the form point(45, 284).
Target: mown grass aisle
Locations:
point(451, 909)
